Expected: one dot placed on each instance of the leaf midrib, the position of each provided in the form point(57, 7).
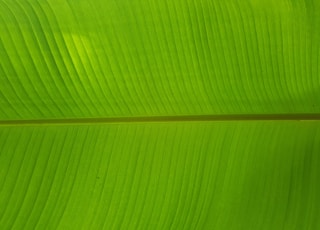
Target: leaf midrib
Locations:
point(179, 118)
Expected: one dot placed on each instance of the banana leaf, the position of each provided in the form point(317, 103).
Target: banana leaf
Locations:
point(149, 114)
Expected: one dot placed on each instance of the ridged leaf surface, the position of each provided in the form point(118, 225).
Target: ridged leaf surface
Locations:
point(160, 114)
point(144, 58)
point(201, 175)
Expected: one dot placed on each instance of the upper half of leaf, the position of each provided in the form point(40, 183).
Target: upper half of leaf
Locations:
point(64, 59)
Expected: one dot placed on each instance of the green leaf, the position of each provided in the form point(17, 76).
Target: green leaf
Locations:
point(179, 114)
point(149, 58)
point(201, 175)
